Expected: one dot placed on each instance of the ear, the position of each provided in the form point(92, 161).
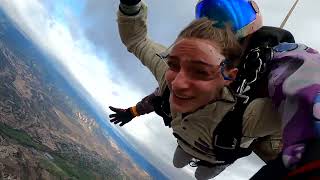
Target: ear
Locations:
point(232, 74)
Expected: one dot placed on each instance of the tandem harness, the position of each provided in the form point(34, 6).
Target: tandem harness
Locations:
point(228, 134)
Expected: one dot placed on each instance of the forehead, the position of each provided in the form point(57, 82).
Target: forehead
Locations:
point(188, 49)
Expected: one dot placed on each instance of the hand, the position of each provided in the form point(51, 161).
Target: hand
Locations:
point(130, 2)
point(122, 116)
point(130, 7)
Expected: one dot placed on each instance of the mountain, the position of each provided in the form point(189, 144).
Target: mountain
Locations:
point(47, 130)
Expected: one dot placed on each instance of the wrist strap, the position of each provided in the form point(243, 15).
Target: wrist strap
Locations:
point(134, 111)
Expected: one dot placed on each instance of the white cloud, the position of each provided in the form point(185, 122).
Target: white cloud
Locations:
point(76, 55)
point(304, 22)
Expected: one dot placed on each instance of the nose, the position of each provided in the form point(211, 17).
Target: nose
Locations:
point(180, 82)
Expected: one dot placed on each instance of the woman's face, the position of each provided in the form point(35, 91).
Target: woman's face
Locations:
point(194, 76)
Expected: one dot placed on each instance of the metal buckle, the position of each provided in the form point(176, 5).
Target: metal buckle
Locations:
point(244, 97)
point(194, 162)
point(242, 89)
point(233, 146)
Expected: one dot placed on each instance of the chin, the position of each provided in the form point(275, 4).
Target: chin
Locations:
point(181, 106)
point(181, 109)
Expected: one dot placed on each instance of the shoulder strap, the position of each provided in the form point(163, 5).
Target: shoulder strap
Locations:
point(227, 136)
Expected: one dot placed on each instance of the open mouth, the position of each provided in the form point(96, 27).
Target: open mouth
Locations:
point(181, 97)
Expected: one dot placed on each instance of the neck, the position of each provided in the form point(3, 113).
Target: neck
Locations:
point(217, 97)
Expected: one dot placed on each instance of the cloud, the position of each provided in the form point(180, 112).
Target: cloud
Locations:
point(77, 55)
point(99, 25)
point(303, 23)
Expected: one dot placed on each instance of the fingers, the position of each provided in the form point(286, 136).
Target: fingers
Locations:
point(115, 120)
point(123, 123)
point(112, 115)
point(113, 109)
point(116, 110)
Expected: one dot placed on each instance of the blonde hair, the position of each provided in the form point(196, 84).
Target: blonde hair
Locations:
point(224, 38)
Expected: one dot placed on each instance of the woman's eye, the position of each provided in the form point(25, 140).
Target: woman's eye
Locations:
point(201, 75)
point(202, 72)
point(173, 66)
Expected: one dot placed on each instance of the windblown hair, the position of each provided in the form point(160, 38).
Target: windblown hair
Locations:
point(224, 38)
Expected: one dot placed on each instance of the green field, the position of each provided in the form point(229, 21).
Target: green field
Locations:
point(64, 166)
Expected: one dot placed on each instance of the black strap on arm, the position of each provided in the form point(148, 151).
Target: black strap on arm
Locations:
point(162, 107)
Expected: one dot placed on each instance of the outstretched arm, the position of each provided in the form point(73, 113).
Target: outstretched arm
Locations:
point(123, 116)
point(132, 23)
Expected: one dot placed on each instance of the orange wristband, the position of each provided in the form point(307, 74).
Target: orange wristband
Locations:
point(134, 111)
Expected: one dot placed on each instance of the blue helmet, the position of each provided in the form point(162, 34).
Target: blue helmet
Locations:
point(243, 15)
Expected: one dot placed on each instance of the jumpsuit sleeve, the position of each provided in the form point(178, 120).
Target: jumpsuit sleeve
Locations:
point(133, 34)
point(145, 106)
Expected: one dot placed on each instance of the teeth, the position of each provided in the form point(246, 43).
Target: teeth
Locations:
point(183, 97)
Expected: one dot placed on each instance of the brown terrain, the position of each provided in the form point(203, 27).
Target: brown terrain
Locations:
point(44, 134)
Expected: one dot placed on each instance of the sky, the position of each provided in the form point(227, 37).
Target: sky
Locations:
point(83, 36)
